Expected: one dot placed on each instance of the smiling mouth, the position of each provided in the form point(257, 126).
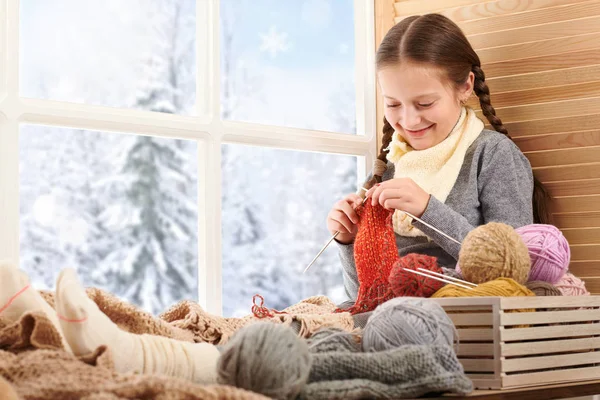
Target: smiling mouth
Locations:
point(420, 132)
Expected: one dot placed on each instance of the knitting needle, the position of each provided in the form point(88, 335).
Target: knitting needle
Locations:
point(448, 277)
point(329, 241)
point(436, 278)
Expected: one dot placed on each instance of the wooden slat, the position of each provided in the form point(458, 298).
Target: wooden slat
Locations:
point(475, 349)
point(580, 252)
point(550, 62)
point(558, 141)
point(477, 365)
point(536, 80)
point(547, 362)
point(592, 284)
point(576, 204)
point(585, 269)
point(531, 17)
point(475, 334)
point(473, 9)
point(549, 332)
point(471, 319)
point(555, 30)
point(568, 172)
point(574, 187)
point(554, 125)
point(547, 317)
point(556, 346)
point(515, 303)
point(531, 379)
point(546, 158)
point(578, 220)
point(542, 95)
point(539, 48)
point(558, 109)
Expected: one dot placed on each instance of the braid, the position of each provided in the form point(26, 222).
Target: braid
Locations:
point(388, 133)
point(483, 92)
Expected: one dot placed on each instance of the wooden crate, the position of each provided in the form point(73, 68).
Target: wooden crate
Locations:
point(556, 339)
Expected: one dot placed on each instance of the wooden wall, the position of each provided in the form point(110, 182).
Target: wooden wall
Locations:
point(542, 64)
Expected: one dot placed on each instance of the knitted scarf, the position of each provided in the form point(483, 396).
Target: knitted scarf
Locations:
point(434, 169)
point(375, 253)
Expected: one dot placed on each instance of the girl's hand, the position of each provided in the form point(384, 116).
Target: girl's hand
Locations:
point(344, 219)
point(400, 194)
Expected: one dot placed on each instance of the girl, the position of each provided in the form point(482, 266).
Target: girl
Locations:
point(437, 161)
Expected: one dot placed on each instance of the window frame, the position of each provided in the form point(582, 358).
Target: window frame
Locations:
point(206, 128)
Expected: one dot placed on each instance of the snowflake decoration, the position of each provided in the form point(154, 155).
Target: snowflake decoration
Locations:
point(274, 42)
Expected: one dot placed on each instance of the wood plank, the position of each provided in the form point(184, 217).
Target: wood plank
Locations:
point(549, 332)
point(585, 269)
point(515, 303)
point(541, 95)
point(553, 125)
point(476, 334)
point(542, 79)
point(475, 349)
point(471, 319)
point(577, 220)
point(557, 346)
point(524, 34)
point(464, 10)
point(537, 378)
point(573, 187)
point(567, 204)
point(582, 252)
point(547, 362)
point(545, 158)
point(530, 17)
point(557, 109)
point(547, 317)
point(550, 62)
point(558, 140)
point(592, 284)
point(477, 365)
point(568, 172)
point(539, 48)
point(384, 13)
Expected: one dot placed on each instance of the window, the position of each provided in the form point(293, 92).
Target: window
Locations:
point(140, 150)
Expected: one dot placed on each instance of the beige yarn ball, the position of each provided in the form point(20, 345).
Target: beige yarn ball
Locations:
point(494, 250)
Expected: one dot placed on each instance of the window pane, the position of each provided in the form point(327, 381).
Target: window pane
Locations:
point(121, 209)
point(282, 61)
point(274, 207)
point(110, 52)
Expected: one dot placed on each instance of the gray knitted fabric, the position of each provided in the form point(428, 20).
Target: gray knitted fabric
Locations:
point(331, 340)
point(404, 372)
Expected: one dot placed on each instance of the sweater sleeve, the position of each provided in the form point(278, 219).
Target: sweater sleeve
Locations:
point(505, 187)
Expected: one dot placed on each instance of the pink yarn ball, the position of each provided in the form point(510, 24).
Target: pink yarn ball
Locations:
point(548, 250)
point(570, 285)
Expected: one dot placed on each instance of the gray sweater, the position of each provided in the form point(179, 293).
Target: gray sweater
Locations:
point(495, 183)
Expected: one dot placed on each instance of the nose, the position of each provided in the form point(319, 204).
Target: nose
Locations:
point(410, 118)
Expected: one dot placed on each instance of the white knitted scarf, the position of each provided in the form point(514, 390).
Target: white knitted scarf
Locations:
point(434, 169)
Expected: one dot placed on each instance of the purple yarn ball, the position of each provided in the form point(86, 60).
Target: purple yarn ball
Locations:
point(548, 250)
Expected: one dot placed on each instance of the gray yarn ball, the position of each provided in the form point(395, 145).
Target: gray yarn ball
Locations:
point(266, 358)
point(408, 320)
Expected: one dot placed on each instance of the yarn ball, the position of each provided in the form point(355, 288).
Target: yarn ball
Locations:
point(503, 287)
point(266, 358)
point(570, 285)
point(405, 283)
point(492, 251)
point(405, 320)
point(549, 252)
point(333, 339)
point(541, 288)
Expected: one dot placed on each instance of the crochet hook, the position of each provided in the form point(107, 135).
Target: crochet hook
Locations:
point(330, 240)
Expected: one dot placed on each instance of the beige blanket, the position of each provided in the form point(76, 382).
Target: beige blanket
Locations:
point(32, 361)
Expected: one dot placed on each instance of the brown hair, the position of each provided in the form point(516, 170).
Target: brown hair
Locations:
point(435, 40)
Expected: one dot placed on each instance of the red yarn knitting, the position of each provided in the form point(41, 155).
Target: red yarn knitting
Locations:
point(375, 253)
point(404, 283)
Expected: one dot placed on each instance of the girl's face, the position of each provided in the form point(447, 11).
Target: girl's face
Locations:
point(419, 105)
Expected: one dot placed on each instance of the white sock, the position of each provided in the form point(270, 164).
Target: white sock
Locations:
point(86, 327)
point(17, 297)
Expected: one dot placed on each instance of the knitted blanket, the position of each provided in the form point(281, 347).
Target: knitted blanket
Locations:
point(33, 362)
